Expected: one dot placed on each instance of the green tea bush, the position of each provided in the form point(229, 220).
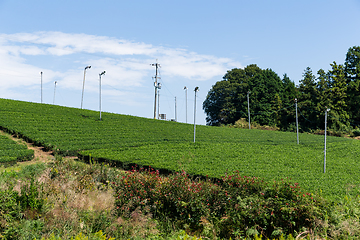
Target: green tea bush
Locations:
point(126, 140)
point(12, 152)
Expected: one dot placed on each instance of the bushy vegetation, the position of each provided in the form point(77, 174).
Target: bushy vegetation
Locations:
point(64, 199)
point(67, 199)
point(233, 206)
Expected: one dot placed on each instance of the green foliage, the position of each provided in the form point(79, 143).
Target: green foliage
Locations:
point(307, 99)
point(96, 236)
point(356, 132)
point(226, 102)
point(271, 99)
point(236, 203)
point(23, 230)
point(261, 204)
point(30, 198)
point(9, 208)
point(12, 152)
point(338, 94)
point(32, 170)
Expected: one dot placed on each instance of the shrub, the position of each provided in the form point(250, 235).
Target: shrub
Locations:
point(356, 132)
point(30, 198)
point(9, 209)
point(234, 205)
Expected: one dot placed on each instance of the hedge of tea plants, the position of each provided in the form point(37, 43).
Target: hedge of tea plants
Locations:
point(128, 140)
point(12, 152)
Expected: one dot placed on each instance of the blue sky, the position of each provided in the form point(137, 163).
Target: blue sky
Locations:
point(195, 42)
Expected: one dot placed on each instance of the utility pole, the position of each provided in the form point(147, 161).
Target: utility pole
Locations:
point(41, 73)
point(326, 111)
point(158, 115)
point(158, 89)
point(175, 111)
point(248, 108)
point(54, 92)
point(82, 95)
point(157, 65)
point(297, 123)
point(185, 88)
point(103, 73)
point(196, 90)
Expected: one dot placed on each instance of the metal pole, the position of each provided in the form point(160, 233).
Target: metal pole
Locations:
point(41, 73)
point(158, 116)
point(196, 89)
point(100, 95)
point(175, 111)
point(82, 95)
point(186, 102)
point(100, 91)
point(155, 91)
point(248, 108)
point(297, 123)
point(157, 65)
point(326, 111)
point(54, 92)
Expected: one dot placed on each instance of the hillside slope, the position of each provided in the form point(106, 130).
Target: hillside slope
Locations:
point(169, 145)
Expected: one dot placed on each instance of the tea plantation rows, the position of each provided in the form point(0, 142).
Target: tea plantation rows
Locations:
point(169, 145)
point(11, 152)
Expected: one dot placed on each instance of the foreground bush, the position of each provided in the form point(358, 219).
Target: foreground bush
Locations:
point(230, 207)
point(71, 200)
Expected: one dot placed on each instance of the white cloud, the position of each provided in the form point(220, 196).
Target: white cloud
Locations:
point(76, 43)
point(62, 57)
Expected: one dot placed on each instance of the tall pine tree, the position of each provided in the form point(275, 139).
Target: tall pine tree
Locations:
point(287, 118)
point(339, 108)
point(323, 100)
point(352, 69)
point(307, 100)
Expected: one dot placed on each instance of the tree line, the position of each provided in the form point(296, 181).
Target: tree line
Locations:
point(272, 98)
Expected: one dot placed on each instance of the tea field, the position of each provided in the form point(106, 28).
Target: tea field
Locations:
point(11, 152)
point(169, 145)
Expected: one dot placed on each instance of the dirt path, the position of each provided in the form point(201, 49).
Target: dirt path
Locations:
point(39, 154)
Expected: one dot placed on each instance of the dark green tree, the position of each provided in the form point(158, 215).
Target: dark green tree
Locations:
point(307, 100)
point(323, 101)
point(266, 96)
point(352, 69)
point(352, 63)
point(287, 121)
point(226, 101)
point(339, 108)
